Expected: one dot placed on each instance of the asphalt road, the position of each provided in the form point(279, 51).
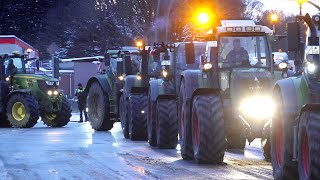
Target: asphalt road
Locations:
point(78, 152)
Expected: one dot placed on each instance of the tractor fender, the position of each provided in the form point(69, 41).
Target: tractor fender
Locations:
point(191, 80)
point(104, 82)
point(26, 91)
point(289, 96)
point(161, 89)
point(133, 85)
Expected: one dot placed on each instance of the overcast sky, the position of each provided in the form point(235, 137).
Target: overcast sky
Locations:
point(290, 6)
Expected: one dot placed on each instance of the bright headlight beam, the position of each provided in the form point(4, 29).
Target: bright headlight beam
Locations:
point(283, 65)
point(207, 66)
point(258, 107)
point(311, 68)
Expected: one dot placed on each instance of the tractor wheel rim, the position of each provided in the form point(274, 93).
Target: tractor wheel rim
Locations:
point(196, 130)
point(279, 142)
point(51, 116)
point(18, 111)
point(305, 154)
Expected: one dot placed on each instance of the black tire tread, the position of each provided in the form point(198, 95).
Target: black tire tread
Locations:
point(62, 117)
point(31, 105)
point(167, 121)
point(102, 123)
point(309, 123)
point(138, 122)
point(212, 143)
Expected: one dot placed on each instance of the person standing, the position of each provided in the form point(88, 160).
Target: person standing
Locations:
point(82, 101)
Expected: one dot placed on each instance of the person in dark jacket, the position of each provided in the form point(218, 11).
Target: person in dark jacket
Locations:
point(82, 101)
point(11, 69)
point(238, 54)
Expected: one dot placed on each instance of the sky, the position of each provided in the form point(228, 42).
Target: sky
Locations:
point(290, 6)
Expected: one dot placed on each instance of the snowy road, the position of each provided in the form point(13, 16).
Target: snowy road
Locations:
point(78, 152)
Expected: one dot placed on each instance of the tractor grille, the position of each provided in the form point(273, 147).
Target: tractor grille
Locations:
point(43, 86)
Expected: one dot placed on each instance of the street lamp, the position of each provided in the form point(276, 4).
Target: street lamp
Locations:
point(300, 2)
point(274, 18)
point(203, 18)
point(139, 44)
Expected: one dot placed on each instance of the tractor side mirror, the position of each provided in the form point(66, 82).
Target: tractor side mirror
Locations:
point(293, 30)
point(38, 64)
point(189, 53)
point(119, 67)
point(107, 60)
point(127, 65)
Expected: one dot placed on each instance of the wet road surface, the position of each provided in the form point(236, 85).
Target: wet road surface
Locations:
point(78, 152)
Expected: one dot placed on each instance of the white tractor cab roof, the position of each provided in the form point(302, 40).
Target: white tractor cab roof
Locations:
point(238, 26)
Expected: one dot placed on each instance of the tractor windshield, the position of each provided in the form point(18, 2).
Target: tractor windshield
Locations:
point(247, 51)
point(13, 64)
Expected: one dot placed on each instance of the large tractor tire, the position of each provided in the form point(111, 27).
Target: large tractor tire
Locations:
point(282, 143)
point(152, 136)
point(309, 146)
point(185, 135)
point(138, 119)
point(99, 108)
point(4, 89)
point(59, 119)
point(167, 124)
point(124, 109)
point(208, 137)
point(236, 140)
point(22, 110)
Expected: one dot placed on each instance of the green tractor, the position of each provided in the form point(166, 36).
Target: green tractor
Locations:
point(228, 101)
point(295, 138)
point(134, 99)
point(105, 89)
point(25, 97)
point(162, 103)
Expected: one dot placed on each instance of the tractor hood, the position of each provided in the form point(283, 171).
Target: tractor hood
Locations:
point(247, 82)
point(36, 77)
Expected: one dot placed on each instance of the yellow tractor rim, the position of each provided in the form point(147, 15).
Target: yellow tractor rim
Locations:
point(18, 111)
point(51, 116)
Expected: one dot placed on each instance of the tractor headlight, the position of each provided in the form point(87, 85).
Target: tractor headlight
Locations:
point(283, 65)
point(8, 78)
point(311, 68)
point(165, 73)
point(55, 93)
point(207, 66)
point(139, 77)
point(121, 78)
point(259, 107)
point(50, 93)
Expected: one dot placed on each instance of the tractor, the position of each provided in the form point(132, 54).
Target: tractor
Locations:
point(228, 100)
point(134, 99)
point(295, 143)
point(105, 89)
point(25, 97)
point(162, 103)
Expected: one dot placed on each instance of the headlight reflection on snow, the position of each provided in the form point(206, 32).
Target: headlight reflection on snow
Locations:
point(139, 169)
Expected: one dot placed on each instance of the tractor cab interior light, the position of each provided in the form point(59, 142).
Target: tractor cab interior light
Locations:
point(257, 28)
point(249, 28)
point(238, 29)
point(207, 66)
point(229, 29)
